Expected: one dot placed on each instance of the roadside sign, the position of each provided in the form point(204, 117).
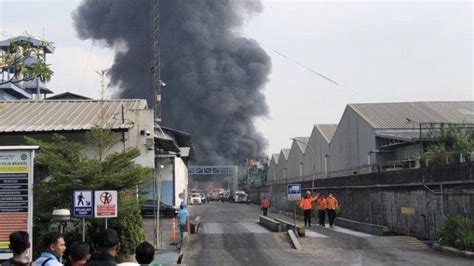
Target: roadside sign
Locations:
point(408, 210)
point(294, 192)
point(16, 193)
point(83, 203)
point(105, 203)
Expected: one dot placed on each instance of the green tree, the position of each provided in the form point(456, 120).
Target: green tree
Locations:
point(16, 59)
point(452, 139)
point(71, 166)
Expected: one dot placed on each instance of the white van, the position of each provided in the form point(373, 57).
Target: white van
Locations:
point(195, 199)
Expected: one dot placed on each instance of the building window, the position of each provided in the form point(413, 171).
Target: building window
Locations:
point(301, 169)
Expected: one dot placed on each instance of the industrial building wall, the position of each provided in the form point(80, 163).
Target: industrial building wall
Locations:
point(142, 122)
point(272, 170)
point(295, 160)
point(352, 141)
point(181, 179)
point(165, 174)
point(282, 171)
point(309, 158)
point(321, 149)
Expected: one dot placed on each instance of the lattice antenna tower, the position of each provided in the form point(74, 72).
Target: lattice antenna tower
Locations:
point(155, 58)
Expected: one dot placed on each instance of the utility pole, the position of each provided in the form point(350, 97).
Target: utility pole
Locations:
point(155, 58)
point(156, 102)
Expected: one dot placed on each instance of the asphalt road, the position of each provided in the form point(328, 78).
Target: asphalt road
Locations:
point(230, 235)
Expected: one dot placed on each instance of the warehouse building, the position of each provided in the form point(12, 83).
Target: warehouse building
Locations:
point(369, 137)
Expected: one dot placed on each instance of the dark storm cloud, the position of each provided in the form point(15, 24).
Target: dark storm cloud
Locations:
point(214, 76)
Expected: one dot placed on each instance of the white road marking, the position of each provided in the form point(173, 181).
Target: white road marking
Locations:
point(350, 232)
point(254, 228)
point(212, 228)
point(314, 234)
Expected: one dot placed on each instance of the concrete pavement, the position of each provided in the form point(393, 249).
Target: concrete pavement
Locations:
point(230, 235)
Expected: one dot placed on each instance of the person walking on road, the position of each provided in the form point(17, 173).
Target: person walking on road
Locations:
point(19, 244)
point(331, 206)
point(321, 207)
point(265, 205)
point(183, 215)
point(306, 203)
point(54, 245)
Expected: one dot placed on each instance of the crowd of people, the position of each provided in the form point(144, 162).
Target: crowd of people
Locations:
point(106, 244)
point(324, 205)
point(105, 248)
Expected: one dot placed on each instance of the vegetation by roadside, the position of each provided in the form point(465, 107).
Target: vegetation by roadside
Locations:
point(457, 232)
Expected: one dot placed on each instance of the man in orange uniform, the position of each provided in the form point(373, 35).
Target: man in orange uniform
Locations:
point(331, 205)
point(265, 205)
point(305, 204)
point(321, 206)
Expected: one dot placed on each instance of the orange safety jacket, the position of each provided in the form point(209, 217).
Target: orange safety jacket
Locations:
point(321, 204)
point(331, 203)
point(305, 203)
point(265, 204)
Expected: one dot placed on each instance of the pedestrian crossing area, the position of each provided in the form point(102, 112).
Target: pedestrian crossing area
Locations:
point(319, 232)
point(255, 228)
point(232, 228)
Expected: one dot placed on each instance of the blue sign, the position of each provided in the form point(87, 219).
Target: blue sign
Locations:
point(294, 191)
point(83, 205)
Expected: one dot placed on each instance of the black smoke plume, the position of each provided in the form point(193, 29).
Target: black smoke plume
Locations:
point(214, 76)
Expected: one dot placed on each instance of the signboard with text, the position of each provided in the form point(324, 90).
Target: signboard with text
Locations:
point(16, 194)
point(105, 203)
point(83, 204)
point(294, 192)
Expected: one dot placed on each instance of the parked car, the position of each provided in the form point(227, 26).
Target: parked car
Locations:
point(195, 199)
point(148, 209)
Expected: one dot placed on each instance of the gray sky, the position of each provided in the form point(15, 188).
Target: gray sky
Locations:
point(378, 51)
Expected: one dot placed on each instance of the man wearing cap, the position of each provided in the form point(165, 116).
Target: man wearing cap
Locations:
point(107, 244)
point(306, 203)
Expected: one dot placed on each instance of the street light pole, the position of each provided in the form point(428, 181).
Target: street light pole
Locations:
point(314, 160)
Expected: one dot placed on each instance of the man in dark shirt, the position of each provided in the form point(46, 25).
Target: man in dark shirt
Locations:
point(107, 243)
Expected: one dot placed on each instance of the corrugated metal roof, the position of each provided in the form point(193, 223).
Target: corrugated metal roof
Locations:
point(275, 157)
point(48, 47)
point(65, 115)
point(285, 152)
point(327, 130)
point(410, 114)
point(302, 142)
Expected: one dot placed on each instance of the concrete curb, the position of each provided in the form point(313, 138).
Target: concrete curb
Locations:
point(374, 229)
point(270, 223)
point(451, 250)
point(291, 226)
point(294, 240)
point(194, 225)
point(184, 247)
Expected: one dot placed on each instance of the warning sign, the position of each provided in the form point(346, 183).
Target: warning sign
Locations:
point(105, 202)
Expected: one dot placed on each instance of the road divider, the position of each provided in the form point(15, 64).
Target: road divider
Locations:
point(373, 229)
point(285, 226)
point(270, 223)
point(194, 225)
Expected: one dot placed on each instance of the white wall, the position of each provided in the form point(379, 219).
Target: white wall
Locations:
point(352, 141)
point(181, 180)
point(282, 167)
point(295, 159)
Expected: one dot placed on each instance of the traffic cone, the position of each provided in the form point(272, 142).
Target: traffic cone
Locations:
point(173, 233)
